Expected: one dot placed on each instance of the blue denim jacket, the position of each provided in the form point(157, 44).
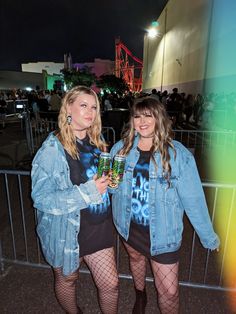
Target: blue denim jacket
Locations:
point(166, 205)
point(58, 203)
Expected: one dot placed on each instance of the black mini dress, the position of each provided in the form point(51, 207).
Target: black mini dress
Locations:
point(96, 227)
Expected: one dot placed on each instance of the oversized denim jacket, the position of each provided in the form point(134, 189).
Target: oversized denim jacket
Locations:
point(58, 203)
point(166, 204)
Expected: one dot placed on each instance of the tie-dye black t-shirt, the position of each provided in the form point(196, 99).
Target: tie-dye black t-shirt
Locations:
point(140, 190)
point(96, 230)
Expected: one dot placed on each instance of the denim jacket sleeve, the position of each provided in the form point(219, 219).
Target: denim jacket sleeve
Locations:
point(52, 190)
point(193, 200)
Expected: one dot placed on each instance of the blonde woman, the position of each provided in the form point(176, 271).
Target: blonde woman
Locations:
point(73, 207)
point(160, 182)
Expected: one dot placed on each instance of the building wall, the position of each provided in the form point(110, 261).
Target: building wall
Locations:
point(39, 67)
point(98, 67)
point(177, 57)
point(221, 61)
point(21, 80)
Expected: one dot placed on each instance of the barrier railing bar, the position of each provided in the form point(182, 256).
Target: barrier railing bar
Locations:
point(227, 236)
point(37, 239)
point(16, 172)
point(10, 215)
point(192, 254)
point(212, 219)
point(1, 258)
point(23, 217)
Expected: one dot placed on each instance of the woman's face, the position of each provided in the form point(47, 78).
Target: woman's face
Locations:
point(83, 112)
point(144, 124)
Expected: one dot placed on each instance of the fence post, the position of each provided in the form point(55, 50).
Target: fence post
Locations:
point(1, 259)
point(28, 131)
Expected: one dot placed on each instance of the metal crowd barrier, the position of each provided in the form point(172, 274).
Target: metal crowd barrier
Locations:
point(201, 141)
point(199, 268)
point(198, 141)
point(40, 130)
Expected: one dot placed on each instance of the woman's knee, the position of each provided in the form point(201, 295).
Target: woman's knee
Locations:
point(65, 279)
point(169, 291)
point(111, 285)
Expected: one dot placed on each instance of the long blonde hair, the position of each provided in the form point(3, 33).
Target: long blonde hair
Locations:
point(163, 134)
point(66, 135)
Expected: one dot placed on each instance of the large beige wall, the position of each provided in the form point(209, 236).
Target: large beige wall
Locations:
point(39, 67)
point(177, 57)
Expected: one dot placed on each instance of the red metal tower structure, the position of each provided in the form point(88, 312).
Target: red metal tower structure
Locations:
point(128, 66)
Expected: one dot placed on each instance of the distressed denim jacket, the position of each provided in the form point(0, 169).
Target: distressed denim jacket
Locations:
point(58, 203)
point(166, 204)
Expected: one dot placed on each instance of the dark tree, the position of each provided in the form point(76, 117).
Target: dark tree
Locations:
point(112, 83)
point(74, 77)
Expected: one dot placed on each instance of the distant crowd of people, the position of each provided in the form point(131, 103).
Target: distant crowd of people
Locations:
point(208, 111)
point(183, 109)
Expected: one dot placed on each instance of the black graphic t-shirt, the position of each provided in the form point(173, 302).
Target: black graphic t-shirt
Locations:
point(140, 190)
point(96, 230)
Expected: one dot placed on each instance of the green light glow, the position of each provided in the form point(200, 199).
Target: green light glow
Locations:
point(221, 83)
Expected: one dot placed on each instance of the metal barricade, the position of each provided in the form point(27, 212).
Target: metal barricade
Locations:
point(201, 141)
point(19, 244)
point(40, 130)
point(197, 141)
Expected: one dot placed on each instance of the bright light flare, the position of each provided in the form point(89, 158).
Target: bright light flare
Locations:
point(152, 32)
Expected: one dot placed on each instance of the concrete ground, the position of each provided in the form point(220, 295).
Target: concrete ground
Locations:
point(30, 290)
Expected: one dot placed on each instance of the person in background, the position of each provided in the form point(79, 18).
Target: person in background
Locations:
point(174, 106)
point(155, 94)
point(3, 109)
point(188, 107)
point(42, 102)
point(107, 103)
point(198, 108)
point(73, 206)
point(160, 183)
point(55, 101)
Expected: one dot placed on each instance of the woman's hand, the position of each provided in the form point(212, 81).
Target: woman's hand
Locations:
point(101, 183)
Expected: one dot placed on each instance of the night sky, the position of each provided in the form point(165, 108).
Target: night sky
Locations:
point(44, 30)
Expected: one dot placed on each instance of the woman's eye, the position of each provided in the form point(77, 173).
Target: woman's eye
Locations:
point(94, 108)
point(83, 105)
point(147, 114)
point(136, 116)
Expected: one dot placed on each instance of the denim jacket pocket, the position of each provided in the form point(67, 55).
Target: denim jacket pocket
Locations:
point(169, 193)
point(61, 178)
point(172, 212)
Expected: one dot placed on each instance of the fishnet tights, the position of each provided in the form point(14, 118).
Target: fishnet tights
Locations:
point(65, 290)
point(167, 285)
point(137, 263)
point(103, 268)
point(165, 277)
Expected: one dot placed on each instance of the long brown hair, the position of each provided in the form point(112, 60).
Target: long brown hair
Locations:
point(66, 135)
point(163, 134)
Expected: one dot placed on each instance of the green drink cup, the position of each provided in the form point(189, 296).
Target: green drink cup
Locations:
point(118, 168)
point(104, 164)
